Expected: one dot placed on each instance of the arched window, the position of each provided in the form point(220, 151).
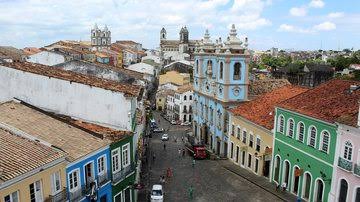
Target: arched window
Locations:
point(277, 169)
point(197, 66)
point(348, 150)
point(237, 71)
point(312, 136)
point(319, 191)
point(343, 190)
point(325, 138)
point(290, 128)
point(221, 70)
point(281, 124)
point(209, 67)
point(184, 97)
point(300, 131)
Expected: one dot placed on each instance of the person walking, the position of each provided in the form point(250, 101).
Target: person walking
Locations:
point(164, 146)
point(193, 163)
point(153, 157)
point(179, 151)
point(183, 152)
point(191, 192)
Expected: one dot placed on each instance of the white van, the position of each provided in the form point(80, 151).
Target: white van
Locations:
point(157, 194)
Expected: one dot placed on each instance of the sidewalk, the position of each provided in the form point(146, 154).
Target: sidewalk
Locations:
point(256, 180)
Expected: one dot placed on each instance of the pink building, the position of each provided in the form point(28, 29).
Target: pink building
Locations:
point(345, 184)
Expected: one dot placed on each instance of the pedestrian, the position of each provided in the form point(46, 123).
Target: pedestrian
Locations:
point(191, 192)
point(277, 186)
point(183, 152)
point(153, 157)
point(182, 138)
point(283, 186)
point(164, 146)
point(163, 179)
point(179, 151)
point(168, 173)
point(193, 163)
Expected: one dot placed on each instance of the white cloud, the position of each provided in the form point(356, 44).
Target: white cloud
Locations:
point(336, 15)
point(316, 4)
point(291, 28)
point(298, 11)
point(325, 26)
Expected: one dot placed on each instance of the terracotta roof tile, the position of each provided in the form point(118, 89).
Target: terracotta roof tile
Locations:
point(330, 101)
point(184, 88)
point(261, 109)
point(127, 89)
point(259, 87)
point(19, 155)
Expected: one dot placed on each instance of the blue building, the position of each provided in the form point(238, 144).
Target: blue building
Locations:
point(220, 81)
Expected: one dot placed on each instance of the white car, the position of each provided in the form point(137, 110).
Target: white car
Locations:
point(157, 194)
point(156, 130)
point(173, 122)
point(165, 137)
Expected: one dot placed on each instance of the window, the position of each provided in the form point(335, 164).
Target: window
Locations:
point(101, 165)
point(197, 67)
point(126, 155)
point(251, 140)
point(290, 128)
point(348, 151)
point(13, 197)
point(115, 155)
point(74, 180)
point(237, 71)
point(244, 137)
point(256, 165)
point(184, 97)
point(55, 182)
point(300, 131)
point(190, 97)
point(258, 143)
point(221, 70)
point(35, 192)
point(281, 124)
point(209, 67)
point(325, 138)
point(243, 158)
point(232, 129)
point(238, 133)
point(312, 138)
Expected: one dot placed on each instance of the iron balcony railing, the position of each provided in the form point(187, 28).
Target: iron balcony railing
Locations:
point(121, 175)
point(103, 179)
point(59, 197)
point(345, 164)
point(357, 169)
point(77, 194)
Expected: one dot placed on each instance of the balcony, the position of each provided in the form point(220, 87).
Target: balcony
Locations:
point(61, 196)
point(76, 195)
point(357, 169)
point(102, 179)
point(345, 164)
point(121, 175)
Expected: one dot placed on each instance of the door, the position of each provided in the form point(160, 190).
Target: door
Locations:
point(218, 148)
point(296, 181)
point(225, 149)
point(357, 196)
point(266, 169)
point(306, 185)
point(319, 191)
point(277, 169)
point(89, 176)
point(243, 158)
point(103, 198)
point(286, 173)
point(232, 151)
point(36, 192)
point(343, 190)
point(127, 195)
point(237, 154)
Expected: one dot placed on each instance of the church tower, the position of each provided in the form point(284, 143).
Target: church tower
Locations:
point(163, 34)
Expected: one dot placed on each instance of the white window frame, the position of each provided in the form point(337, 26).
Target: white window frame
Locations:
point(53, 182)
point(347, 154)
point(309, 136)
point(12, 197)
point(322, 141)
point(256, 143)
point(97, 163)
point(125, 164)
point(298, 131)
point(78, 180)
point(288, 128)
point(281, 117)
point(242, 136)
point(251, 139)
point(121, 197)
point(117, 150)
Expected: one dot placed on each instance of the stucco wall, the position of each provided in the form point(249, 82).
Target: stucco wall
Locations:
point(46, 58)
point(74, 99)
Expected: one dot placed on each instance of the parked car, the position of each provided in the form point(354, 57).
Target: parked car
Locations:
point(165, 137)
point(173, 122)
point(157, 194)
point(186, 124)
point(157, 130)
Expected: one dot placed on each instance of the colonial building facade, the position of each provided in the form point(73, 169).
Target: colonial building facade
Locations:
point(306, 138)
point(220, 81)
point(100, 38)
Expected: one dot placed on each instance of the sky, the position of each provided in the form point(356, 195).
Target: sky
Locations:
point(285, 24)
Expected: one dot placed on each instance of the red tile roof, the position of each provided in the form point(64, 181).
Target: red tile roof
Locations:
point(127, 89)
point(261, 110)
point(331, 102)
point(19, 155)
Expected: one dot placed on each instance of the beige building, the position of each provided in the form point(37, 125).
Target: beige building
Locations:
point(29, 168)
point(175, 78)
point(251, 124)
point(161, 96)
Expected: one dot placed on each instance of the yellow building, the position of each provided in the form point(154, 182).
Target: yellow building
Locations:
point(251, 124)
point(30, 169)
point(161, 96)
point(175, 78)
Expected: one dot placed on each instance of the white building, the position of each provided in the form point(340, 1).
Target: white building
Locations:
point(143, 68)
point(180, 105)
point(49, 58)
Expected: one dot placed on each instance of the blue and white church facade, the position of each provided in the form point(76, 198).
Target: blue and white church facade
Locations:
point(220, 82)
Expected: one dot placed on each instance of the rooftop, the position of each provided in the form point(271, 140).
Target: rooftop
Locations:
point(185, 88)
point(72, 140)
point(19, 155)
point(261, 110)
point(331, 102)
point(127, 89)
point(259, 87)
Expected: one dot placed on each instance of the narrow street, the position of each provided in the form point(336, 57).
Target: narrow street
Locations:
point(210, 181)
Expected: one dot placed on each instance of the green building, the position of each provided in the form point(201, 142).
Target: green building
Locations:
point(305, 138)
point(123, 169)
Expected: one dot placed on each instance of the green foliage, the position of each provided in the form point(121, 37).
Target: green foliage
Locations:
point(275, 62)
point(341, 62)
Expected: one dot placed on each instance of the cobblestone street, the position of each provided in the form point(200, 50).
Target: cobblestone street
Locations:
point(211, 181)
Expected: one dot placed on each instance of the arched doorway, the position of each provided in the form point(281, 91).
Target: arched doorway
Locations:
point(277, 169)
point(343, 190)
point(306, 186)
point(319, 191)
point(286, 173)
point(296, 180)
point(357, 194)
